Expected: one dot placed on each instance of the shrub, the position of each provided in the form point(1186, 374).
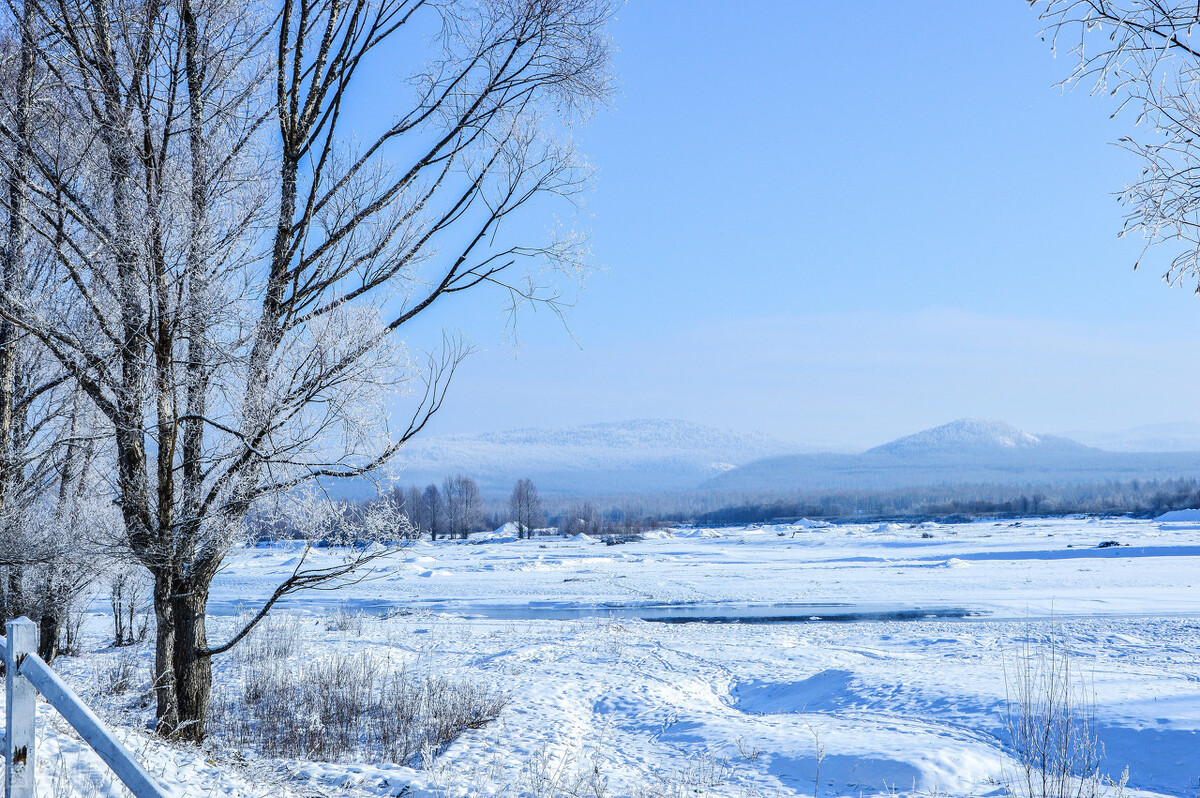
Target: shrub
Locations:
point(342, 707)
point(1050, 719)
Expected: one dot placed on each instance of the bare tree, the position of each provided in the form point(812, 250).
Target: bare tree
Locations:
point(581, 519)
point(127, 594)
point(472, 506)
point(525, 508)
point(240, 269)
point(414, 507)
point(1146, 54)
point(47, 430)
point(463, 505)
point(434, 510)
point(452, 506)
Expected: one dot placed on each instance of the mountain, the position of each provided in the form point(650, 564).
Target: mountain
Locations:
point(977, 437)
point(1179, 436)
point(629, 457)
point(963, 452)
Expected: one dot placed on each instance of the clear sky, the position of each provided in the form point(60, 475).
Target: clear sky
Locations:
point(841, 223)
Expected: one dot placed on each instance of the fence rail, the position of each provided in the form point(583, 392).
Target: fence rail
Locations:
point(27, 674)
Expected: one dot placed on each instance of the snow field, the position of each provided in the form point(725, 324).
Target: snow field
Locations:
point(615, 706)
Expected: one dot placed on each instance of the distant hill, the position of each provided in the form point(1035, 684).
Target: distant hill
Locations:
point(974, 437)
point(641, 456)
point(962, 452)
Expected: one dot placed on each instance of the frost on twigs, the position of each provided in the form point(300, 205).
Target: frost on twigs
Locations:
point(1145, 56)
point(1051, 724)
point(281, 702)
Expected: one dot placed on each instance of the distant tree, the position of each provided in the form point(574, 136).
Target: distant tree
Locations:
point(452, 509)
point(525, 507)
point(414, 510)
point(464, 506)
point(472, 506)
point(433, 510)
point(581, 519)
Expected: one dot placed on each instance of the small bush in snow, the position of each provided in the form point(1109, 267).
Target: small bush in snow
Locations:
point(354, 706)
point(128, 590)
point(121, 673)
point(277, 637)
point(1050, 720)
point(346, 620)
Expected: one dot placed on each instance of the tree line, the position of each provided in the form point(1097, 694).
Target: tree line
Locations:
point(1146, 498)
point(455, 510)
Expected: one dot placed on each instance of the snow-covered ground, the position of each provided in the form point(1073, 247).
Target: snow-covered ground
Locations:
point(604, 703)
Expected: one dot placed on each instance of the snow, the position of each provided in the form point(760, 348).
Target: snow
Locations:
point(1177, 516)
point(729, 709)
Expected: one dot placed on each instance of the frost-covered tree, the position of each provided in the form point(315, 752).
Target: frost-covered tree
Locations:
point(525, 507)
point(414, 509)
point(236, 271)
point(1146, 54)
point(434, 510)
point(48, 432)
point(472, 506)
point(463, 506)
point(581, 519)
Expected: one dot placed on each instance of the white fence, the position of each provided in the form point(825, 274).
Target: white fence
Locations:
point(26, 675)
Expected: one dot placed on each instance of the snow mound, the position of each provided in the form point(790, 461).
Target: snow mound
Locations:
point(699, 533)
point(502, 534)
point(827, 690)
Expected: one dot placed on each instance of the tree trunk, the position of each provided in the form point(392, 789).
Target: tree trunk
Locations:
point(193, 669)
point(166, 704)
point(14, 593)
point(48, 626)
point(183, 672)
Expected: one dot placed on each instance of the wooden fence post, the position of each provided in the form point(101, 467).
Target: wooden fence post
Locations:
point(20, 711)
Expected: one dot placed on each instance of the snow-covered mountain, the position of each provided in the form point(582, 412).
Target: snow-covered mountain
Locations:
point(975, 436)
point(963, 452)
point(632, 456)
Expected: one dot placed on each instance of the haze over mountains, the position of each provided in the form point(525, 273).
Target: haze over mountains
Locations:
point(649, 456)
point(1179, 436)
point(640, 456)
point(967, 451)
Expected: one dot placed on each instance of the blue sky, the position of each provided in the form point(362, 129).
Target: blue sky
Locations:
point(841, 223)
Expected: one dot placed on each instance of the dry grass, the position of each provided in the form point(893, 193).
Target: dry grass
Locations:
point(341, 707)
point(1050, 720)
